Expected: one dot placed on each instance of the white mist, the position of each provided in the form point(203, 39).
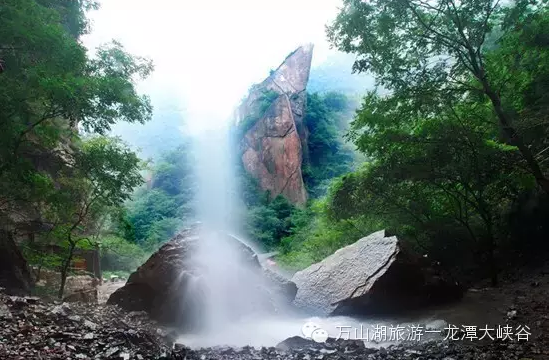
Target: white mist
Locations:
point(232, 293)
point(233, 306)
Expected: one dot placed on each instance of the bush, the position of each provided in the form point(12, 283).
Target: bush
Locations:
point(315, 236)
point(264, 101)
point(327, 155)
point(118, 254)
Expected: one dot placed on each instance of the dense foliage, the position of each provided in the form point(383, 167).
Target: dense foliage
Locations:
point(158, 210)
point(268, 221)
point(459, 146)
point(326, 119)
point(51, 87)
point(258, 109)
point(453, 154)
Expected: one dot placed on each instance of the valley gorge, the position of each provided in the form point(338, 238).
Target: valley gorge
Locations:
point(173, 187)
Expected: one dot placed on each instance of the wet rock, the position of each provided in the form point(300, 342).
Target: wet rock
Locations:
point(281, 285)
point(172, 289)
point(111, 351)
point(90, 325)
point(295, 342)
point(75, 318)
point(46, 331)
point(417, 351)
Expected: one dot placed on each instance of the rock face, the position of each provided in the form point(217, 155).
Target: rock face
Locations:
point(280, 285)
point(273, 148)
point(176, 287)
point(15, 275)
point(373, 275)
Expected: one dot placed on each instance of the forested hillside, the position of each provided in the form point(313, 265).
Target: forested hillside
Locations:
point(166, 203)
point(458, 151)
point(61, 176)
point(452, 157)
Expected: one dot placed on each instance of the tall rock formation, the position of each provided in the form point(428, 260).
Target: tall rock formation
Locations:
point(275, 137)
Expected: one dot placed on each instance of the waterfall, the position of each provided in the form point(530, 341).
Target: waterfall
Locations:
point(233, 286)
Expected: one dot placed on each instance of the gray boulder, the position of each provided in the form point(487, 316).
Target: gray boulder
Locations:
point(373, 275)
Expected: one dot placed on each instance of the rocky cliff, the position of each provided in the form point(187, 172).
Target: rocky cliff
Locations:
point(275, 137)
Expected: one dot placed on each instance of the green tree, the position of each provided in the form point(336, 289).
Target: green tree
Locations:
point(103, 175)
point(314, 235)
point(118, 254)
point(432, 174)
point(158, 211)
point(327, 157)
point(427, 51)
point(50, 86)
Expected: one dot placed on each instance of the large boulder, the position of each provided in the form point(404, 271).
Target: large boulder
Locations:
point(196, 275)
point(274, 146)
point(373, 275)
point(15, 275)
point(280, 285)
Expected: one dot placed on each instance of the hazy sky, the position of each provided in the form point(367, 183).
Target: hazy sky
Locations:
point(208, 53)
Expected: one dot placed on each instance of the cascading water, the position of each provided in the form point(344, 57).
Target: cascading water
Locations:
point(229, 304)
point(230, 289)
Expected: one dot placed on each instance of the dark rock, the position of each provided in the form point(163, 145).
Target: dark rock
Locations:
point(111, 351)
point(172, 288)
point(61, 331)
point(374, 275)
point(295, 342)
point(63, 310)
point(180, 347)
point(345, 344)
point(15, 276)
point(90, 325)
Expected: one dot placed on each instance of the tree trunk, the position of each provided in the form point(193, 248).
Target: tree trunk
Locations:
point(65, 269)
point(490, 253)
point(515, 138)
point(491, 262)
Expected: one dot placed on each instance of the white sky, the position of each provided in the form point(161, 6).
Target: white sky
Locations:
point(208, 53)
